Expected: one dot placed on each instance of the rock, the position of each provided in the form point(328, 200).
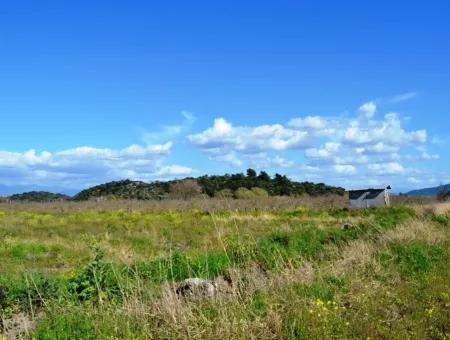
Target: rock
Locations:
point(347, 226)
point(195, 287)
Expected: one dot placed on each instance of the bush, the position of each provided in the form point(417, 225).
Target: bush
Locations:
point(224, 193)
point(96, 282)
point(259, 192)
point(243, 193)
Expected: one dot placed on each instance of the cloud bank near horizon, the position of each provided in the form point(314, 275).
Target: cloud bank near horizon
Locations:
point(364, 149)
point(83, 166)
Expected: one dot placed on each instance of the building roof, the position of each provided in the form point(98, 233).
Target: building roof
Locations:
point(369, 193)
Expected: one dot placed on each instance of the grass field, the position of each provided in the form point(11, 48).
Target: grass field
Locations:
point(283, 271)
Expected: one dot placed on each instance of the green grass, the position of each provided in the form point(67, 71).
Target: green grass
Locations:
point(412, 258)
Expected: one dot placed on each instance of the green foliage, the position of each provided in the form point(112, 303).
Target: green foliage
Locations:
point(279, 185)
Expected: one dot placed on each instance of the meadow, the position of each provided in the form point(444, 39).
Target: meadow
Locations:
point(285, 268)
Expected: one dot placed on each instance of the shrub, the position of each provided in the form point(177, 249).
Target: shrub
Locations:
point(243, 193)
point(224, 193)
point(96, 282)
point(259, 192)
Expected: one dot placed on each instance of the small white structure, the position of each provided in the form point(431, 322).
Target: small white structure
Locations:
point(368, 198)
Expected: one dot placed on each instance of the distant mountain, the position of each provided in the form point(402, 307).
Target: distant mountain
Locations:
point(428, 191)
point(38, 196)
point(6, 190)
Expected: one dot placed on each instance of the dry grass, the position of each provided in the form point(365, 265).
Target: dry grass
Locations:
point(203, 204)
point(359, 253)
point(437, 208)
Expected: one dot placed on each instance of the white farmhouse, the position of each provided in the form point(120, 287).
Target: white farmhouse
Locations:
point(367, 198)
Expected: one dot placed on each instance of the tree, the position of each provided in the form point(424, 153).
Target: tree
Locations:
point(282, 185)
point(264, 176)
point(251, 173)
point(185, 189)
point(443, 193)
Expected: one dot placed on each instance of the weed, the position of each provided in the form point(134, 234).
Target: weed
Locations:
point(98, 281)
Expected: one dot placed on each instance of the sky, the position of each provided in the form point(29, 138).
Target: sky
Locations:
point(350, 93)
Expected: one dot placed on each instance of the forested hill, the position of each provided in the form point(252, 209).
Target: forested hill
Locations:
point(38, 196)
point(125, 189)
point(230, 185)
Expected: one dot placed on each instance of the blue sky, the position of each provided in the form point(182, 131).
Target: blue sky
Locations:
point(349, 93)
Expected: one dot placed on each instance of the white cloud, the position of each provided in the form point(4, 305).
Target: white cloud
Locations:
point(309, 122)
point(357, 149)
point(170, 132)
point(367, 110)
point(388, 131)
point(328, 150)
point(386, 168)
point(174, 170)
point(343, 150)
point(85, 165)
point(264, 161)
point(426, 156)
point(403, 97)
point(345, 169)
point(227, 138)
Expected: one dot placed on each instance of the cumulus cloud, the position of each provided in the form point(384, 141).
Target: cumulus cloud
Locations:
point(309, 122)
point(388, 131)
point(322, 147)
point(326, 152)
point(345, 169)
point(228, 138)
point(87, 165)
point(386, 168)
point(342, 150)
point(367, 110)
